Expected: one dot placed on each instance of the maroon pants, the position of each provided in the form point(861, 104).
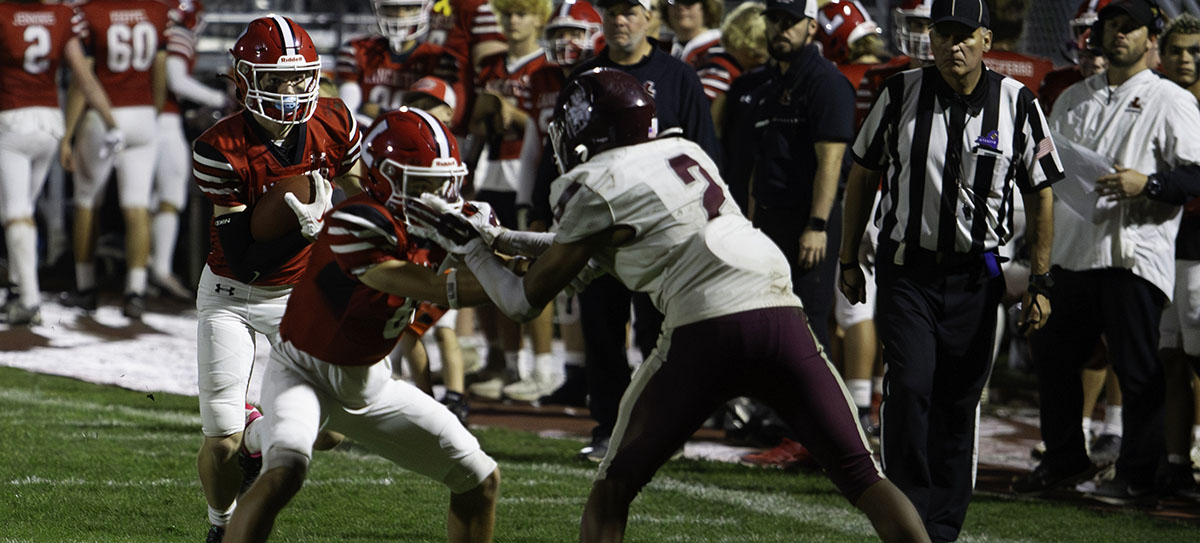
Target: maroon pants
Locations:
point(766, 354)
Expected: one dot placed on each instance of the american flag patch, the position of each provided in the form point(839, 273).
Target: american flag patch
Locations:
point(1044, 147)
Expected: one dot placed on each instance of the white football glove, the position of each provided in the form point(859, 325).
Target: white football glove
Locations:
point(433, 218)
point(114, 142)
point(312, 216)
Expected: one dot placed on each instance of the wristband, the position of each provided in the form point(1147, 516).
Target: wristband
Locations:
point(1040, 284)
point(1154, 186)
point(817, 224)
point(452, 288)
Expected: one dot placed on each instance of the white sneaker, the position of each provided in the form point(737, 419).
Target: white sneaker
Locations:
point(492, 388)
point(532, 388)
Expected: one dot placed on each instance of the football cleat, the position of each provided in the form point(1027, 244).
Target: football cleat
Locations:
point(86, 300)
point(135, 305)
point(1106, 449)
point(596, 450)
point(457, 404)
point(215, 534)
point(787, 455)
point(1043, 479)
point(16, 314)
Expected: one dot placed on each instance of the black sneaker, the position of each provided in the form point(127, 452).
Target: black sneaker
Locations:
point(572, 393)
point(457, 404)
point(595, 450)
point(215, 534)
point(1119, 492)
point(1106, 449)
point(86, 300)
point(135, 305)
point(1042, 479)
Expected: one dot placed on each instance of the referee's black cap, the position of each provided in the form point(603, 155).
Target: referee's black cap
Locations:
point(972, 13)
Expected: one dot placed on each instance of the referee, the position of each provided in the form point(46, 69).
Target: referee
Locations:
point(954, 139)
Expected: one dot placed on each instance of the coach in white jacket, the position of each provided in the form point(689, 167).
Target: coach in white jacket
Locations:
point(1115, 270)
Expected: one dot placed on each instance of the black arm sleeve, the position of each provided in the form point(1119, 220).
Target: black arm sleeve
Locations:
point(250, 259)
point(1178, 185)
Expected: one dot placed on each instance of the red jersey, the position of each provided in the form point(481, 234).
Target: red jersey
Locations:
point(544, 86)
point(511, 78)
point(1029, 70)
point(1055, 83)
point(234, 163)
point(124, 36)
point(717, 72)
point(385, 76)
point(696, 51)
point(181, 42)
point(32, 40)
point(458, 25)
point(331, 315)
point(867, 87)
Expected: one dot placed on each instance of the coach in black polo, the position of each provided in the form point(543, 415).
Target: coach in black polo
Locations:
point(952, 142)
point(799, 114)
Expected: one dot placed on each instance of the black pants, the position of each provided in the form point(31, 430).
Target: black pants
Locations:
point(1127, 310)
point(815, 286)
point(603, 316)
point(937, 327)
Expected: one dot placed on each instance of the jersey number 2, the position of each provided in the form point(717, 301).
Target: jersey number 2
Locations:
point(37, 55)
point(688, 170)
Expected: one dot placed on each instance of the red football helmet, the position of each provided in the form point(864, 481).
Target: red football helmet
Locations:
point(841, 23)
point(409, 145)
point(598, 110)
point(187, 14)
point(911, 43)
point(274, 52)
point(399, 28)
point(1085, 17)
point(575, 15)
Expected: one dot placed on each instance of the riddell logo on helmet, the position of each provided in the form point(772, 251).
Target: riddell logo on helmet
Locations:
point(444, 162)
point(290, 59)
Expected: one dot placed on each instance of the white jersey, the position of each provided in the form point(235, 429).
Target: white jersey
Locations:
point(1147, 124)
point(693, 251)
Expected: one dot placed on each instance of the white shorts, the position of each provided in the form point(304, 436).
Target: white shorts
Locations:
point(393, 419)
point(29, 139)
point(134, 165)
point(229, 313)
point(1180, 326)
point(173, 167)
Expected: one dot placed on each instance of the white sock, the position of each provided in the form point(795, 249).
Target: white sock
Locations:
point(221, 518)
point(85, 276)
point(547, 367)
point(877, 384)
point(512, 361)
point(22, 258)
point(135, 281)
point(165, 231)
point(1112, 420)
point(1087, 426)
point(860, 392)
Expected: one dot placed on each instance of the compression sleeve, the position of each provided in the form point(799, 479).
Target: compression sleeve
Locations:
point(504, 287)
point(250, 259)
point(530, 244)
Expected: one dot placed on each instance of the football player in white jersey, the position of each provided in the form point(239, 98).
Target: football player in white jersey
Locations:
point(655, 214)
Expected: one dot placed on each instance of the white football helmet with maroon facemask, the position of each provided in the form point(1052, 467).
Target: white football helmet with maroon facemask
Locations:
point(408, 152)
point(277, 70)
point(397, 28)
point(576, 15)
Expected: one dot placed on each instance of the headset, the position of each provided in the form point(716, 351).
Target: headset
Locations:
point(1156, 26)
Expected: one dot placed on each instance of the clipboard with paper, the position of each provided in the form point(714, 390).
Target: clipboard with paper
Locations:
point(1077, 191)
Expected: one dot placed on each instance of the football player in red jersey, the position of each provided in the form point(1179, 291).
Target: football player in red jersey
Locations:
point(1007, 24)
point(374, 72)
point(502, 116)
point(744, 40)
point(346, 314)
point(126, 37)
point(284, 130)
point(36, 40)
point(172, 172)
point(1085, 55)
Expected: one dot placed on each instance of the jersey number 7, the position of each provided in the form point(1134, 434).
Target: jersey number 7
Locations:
point(688, 170)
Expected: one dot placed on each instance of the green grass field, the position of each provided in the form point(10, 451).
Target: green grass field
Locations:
point(87, 463)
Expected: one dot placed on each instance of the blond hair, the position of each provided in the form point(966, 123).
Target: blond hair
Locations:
point(745, 29)
point(541, 8)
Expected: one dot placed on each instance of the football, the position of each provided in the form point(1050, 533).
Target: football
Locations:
point(271, 218)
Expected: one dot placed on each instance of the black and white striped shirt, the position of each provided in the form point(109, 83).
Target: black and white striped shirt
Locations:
point(952, 161)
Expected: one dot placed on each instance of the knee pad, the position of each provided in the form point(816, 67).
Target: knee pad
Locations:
point(282, 457)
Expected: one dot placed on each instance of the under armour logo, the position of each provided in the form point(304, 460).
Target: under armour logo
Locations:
point(223, 290)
